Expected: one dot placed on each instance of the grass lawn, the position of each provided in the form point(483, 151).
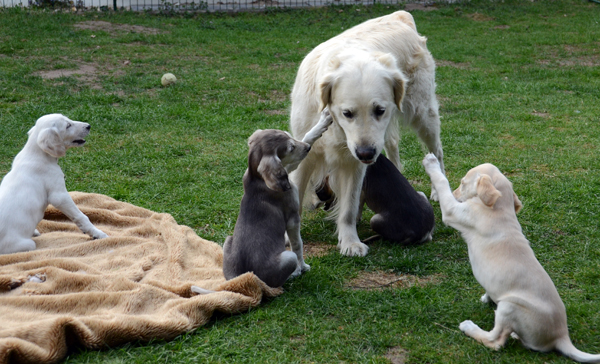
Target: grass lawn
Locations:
point(519, 86)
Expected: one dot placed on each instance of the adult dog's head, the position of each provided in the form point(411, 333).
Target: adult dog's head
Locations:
point(490, 185)
point(364, 92)
point(55, 133)
point(271, 153)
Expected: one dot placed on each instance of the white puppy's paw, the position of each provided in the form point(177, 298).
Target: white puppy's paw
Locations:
point(467, 326)
point(36, 233)
point(98, 234)
point(304, 267)
point(431, 163)
point(354, 249)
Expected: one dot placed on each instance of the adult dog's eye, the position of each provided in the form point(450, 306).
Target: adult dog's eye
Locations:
point(69, 125)
point(292, 147)
point(348, 114)
point(379, 111)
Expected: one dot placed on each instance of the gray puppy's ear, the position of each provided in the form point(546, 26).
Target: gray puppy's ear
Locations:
point(51, 142)
point(273, 173)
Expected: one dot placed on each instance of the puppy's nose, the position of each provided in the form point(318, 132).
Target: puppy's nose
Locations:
point(365, 154)
point(308, 149)
point(88, 127)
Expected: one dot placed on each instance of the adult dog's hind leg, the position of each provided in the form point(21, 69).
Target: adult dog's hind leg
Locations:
point(496, 338)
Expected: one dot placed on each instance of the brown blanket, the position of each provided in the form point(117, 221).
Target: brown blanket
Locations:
point(134, 285)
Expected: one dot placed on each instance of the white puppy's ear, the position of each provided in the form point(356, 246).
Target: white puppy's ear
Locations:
point(51, 142)
point(273, 173)
point(518, 204)
point(486, 190)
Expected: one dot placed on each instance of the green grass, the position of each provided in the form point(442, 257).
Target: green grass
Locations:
point(519, 85)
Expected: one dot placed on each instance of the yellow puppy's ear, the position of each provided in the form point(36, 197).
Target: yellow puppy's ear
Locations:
point(486, 190)
point(518, 204)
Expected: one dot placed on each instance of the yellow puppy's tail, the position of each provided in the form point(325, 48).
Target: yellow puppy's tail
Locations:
point(566, 347)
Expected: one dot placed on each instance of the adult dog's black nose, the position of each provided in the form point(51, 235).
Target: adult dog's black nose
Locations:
point(365, 154)
point(88, 127)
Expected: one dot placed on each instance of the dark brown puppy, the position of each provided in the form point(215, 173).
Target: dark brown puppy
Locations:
point(402, 214)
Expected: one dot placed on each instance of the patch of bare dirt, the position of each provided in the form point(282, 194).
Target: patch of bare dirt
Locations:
point(479, 17)
point(541, 114)
point(420, 6)
point(113, 28)
point(84, 70)
point(379, 280)
point(459, 65)
point(502, 27)
point(396, 355)
point(87, 73)
point(276, 112)
point(317, 249)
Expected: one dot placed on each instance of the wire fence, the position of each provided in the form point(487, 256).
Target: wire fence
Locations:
point(185, 5)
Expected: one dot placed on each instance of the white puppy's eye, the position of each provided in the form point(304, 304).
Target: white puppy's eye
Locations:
point(379, 110)
point(69, 125)
point(348, 114)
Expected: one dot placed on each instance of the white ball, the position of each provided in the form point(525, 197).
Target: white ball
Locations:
point(167, 79)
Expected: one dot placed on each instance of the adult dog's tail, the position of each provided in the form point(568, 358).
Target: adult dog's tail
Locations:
point(565, 347)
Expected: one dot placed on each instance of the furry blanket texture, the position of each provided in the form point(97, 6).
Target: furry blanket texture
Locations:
point(135, 285)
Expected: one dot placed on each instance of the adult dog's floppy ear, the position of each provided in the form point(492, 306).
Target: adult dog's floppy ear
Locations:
point(486, 190)
point(518, 204)
point(326, 83)
point(273, 173)
point(325, 88)
point(399, 88)
point(398, 79)
point(50, 142)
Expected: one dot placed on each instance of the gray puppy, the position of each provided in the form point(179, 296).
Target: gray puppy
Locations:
point(270, 208)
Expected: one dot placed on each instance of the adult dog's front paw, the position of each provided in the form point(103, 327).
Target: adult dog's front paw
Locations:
point(304, 267)
point(353, 249)
point(431, 163)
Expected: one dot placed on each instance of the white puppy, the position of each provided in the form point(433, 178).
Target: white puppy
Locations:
point(36, 180)
point(370, 77)
point(484, 210)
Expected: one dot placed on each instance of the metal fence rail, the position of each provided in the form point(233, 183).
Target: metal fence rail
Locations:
point(187, 5)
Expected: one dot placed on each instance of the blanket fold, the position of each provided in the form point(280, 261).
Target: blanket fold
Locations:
point(134, 285)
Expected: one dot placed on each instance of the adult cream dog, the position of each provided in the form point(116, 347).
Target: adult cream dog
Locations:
point(371, 77)
point(36, 180)
point(484, 209)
